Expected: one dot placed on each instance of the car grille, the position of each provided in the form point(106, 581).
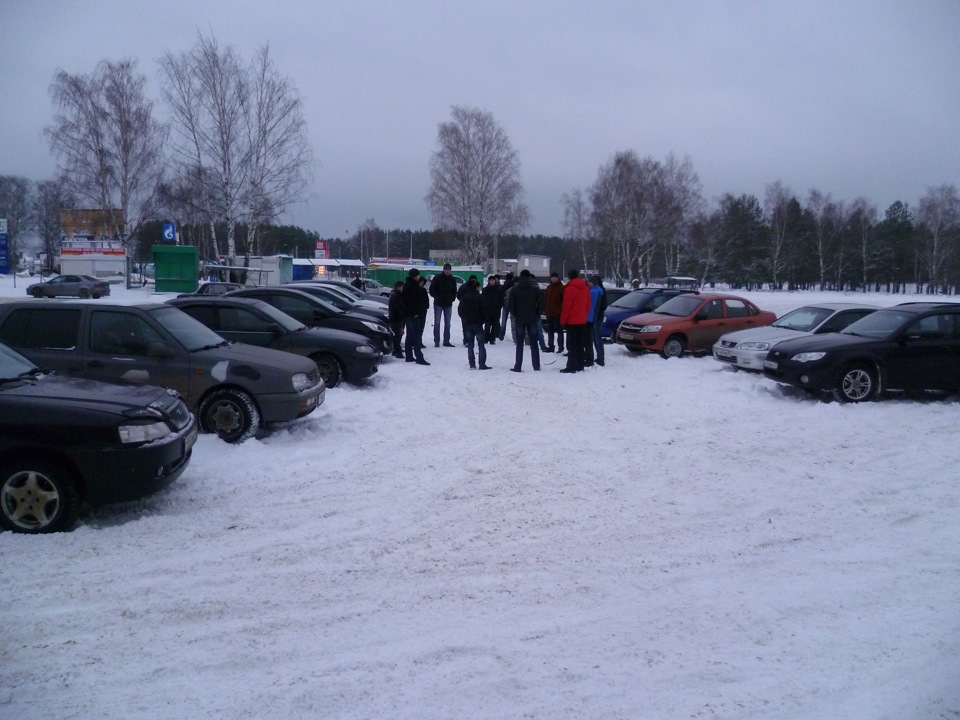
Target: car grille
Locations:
point(628, 327)
point(728, 344)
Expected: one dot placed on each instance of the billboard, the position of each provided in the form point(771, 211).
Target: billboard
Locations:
point(91, 232)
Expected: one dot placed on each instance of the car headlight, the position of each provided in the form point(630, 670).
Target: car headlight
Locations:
point(808, 356)
point(366, 350)
point(142, 432)
point(301, 381)
point(754, 346)
point(651, 328)
point(374, 326)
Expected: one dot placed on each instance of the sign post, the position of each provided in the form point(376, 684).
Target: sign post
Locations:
point(4, 249)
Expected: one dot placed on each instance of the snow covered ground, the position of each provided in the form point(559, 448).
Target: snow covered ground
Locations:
point(652, 539)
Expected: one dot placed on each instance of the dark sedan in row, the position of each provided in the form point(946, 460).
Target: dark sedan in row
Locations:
point(339, 354)
point(913, 346)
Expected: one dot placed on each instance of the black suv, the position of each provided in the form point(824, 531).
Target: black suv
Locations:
point(65, 442)
point(913, 346)
point(234, 389)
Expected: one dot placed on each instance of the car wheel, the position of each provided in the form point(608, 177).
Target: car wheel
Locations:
point(330, 369)
point(231, 414)
point(84, 293)
point(673, 347)
point(857, 383)
point(37, 292)
point(37, 497)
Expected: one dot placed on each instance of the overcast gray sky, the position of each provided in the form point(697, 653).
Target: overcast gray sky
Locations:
point(852, 97)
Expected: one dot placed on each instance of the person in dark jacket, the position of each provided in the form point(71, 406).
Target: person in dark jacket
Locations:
point(470, 310)
point(526, 305)
point(573, 318)
point(443, 290)
point(412, 307)
point(395, 313)
point(505, 311)
point(492, 302)
point(598, 306)
point(424, 309)
point(552, 305)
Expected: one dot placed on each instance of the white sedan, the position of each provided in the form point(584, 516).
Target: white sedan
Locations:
point(747, 349)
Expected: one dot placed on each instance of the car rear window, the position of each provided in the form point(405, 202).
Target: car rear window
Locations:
point(38, 328)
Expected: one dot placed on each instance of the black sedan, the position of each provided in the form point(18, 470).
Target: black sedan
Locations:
point(82, 286)
point(339, 354)
point(913, 346)
point(314, 312)
point(344, 302)
point(67, 441)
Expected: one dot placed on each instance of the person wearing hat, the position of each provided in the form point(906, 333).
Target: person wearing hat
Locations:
point(412, 305)
point(470, 310)
point(492, 302)
point(598, 306)
point(505, 312)
point(443, 290)
point(573, 318)
point(526, 304)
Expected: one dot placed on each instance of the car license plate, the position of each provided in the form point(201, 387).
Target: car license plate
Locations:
point(725, 356)
point(770, 364)
point(626, 336)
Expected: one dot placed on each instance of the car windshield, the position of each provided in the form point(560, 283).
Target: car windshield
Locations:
point(804, 319)
point(192, 334)
point(681, 305)
point(13, 365)
point(280, 317)
point(632, 300)
point(879, 325)
point(326, 295)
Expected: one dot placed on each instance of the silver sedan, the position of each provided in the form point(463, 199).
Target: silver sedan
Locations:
point(747, 349)
point(82, 286)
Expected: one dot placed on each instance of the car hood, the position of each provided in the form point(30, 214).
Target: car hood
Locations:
point(243, 354)
point(332, 337)
point(824, 343)
point(652, 318)
point(764, 334)
point(109, 397)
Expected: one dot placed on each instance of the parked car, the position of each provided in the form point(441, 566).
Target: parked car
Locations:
point(748, 349)
point(66, 442)
point(213, 288)
point(314, 312)
point(81, 286)
point(634, 302)
point(340, 355)
point(691, 322)
point(344, 301)
point(234, 389)
point(350, 289)
point(913, 346)
point(375, 287)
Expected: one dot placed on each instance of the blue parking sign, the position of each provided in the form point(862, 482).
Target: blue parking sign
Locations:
point(169, 232)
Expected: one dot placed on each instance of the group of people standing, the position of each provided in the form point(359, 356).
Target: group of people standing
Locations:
point(572, 312)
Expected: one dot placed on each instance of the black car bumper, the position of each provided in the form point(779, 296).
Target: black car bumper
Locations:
point(118, 474)
point(809, 376)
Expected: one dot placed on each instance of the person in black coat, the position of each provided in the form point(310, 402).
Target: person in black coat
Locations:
point(413, 305)
point(492, 303)
point(505, 311)
point(443, 290)
point(526, 305)
point(395, 313)
point(472, 317)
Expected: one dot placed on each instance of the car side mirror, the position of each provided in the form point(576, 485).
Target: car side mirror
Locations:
point(274, 329)
point(158, 350)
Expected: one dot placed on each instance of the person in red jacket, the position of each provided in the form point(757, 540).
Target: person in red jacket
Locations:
point(573, 318)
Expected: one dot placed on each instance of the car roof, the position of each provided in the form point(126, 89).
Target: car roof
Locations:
point(839, 306)
point(920, 307)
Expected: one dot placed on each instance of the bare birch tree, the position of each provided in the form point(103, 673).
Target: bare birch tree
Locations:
point(939, 215)
point(239, 136)
point(15, 199)
point(51, 197)
point(677, 201)
point(475, 186)
point(622, 211)
point(108, 144)
point(576, 221)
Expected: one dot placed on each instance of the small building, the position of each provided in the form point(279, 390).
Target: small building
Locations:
point(90, 243)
